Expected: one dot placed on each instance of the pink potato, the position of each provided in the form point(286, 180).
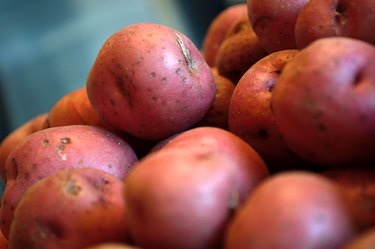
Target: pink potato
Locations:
point(324, 105)
point(45, 152)
point(274, 22)
point(151, 81)
point(184, 194)
point(218, 29)
point(327, 18)
point(250, 116)
point(73, 209)
point(12, 139)
point(292, 209)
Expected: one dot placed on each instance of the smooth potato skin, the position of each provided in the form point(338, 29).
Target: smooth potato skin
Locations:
point(72, 209)
point(218, 29)
point(203, 174)
point(45, 152)
point(274, 22)
point(328, 18)
point(324, 102)
point(251, 118)
point(293, 209)
point(11, 140)
point(151, 81)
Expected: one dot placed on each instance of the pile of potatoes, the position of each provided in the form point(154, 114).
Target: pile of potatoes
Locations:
point(262, 138)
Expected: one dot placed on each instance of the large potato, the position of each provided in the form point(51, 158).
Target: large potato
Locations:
point(324, 102)
point(293, 209)
point(150, 81)
point(45, 152)
point(182, 195)
point(11, 140)
point(71, 209)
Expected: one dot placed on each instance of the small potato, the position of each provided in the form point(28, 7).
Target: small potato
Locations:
point(217, 116)
point(72, 209)
point(239, 50)
point(151, 81)
point(45, 152)
point(250, 116)
point(218, 29)
point(9, 142)
point(293, 209)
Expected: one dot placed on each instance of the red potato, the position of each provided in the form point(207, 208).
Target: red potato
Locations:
point(87, 209)
point(274, 22)
point(365, 240)
point(250, 116)
point(217, 115)
point(48, 151)
point(218, 29)
point(203, 175)
point(11, 140)
point(239, 50)
point(293, 209)
point(151, 81)
point(327, 18)
point(324, 102)
point(358, 185)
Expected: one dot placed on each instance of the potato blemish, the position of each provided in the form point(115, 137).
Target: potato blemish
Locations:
point(190, 63)
point(65, 140)
point(72, 188)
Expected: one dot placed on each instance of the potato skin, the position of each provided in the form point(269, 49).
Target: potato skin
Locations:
point(45, 152)
point(251, 118)
point(324, 102)
point(87, 209)
point(218, 29)
point(11, 140)
point(293, 209)
point(203, 175)
point(151, 81)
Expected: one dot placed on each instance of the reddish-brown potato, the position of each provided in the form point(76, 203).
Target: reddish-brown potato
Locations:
point(74, 108)
point(11, 140)
point(324, 102)
point(217, 116)
point(71, 209)
point(45, 152)
point(151, 81)
point(358, 186)
point(293, 209)
point(239, 50)
point(218, 29)
point(327, 18)
point(203, 175)
point(274, 22)
point(250, 116)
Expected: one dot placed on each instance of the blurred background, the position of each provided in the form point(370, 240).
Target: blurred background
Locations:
point(47, 47)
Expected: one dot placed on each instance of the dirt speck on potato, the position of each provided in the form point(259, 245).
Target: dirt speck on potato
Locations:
point(72, 188)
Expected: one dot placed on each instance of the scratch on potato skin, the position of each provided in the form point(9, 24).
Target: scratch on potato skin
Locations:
point(185, 51)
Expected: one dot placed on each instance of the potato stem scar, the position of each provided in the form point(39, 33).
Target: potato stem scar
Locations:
point(186, 53)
